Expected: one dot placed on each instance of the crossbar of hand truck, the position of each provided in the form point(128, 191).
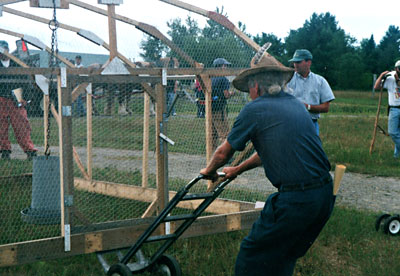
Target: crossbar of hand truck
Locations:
point(178, 217)
point(161, 237)
point(164, 213)
point(182, 228)
point(197, 196)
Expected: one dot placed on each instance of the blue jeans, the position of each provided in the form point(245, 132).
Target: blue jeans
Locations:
point(316, 125)
point(394, 129)
point(78, 107)
point(287, 227)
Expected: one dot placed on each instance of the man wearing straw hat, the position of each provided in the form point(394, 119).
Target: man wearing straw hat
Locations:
point(13, 113)
point(291, 153)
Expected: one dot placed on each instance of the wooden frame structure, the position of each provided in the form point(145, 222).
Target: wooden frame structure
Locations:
point(228, 215)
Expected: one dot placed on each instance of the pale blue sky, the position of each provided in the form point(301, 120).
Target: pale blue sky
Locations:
point(360, 19)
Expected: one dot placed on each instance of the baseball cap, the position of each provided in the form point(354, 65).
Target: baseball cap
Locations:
point(220, 61)
point(301, 54)
point(397, 64)
point(3, 44)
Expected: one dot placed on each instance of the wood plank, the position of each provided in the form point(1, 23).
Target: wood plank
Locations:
point(219, 206)
point(146, 137)
point(84, 243)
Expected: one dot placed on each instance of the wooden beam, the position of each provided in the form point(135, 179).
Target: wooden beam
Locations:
point(66, 153)
point(116, 238)
point(63, 26)
point(146, 137)
point(219, 206)
point(146, 28)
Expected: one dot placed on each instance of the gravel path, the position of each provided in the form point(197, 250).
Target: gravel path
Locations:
point(365, 192)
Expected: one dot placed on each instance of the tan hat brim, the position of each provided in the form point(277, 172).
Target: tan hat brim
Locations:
point(241, 81)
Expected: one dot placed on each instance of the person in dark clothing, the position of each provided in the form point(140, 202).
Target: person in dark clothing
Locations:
point(12, 109)
point(200, 100)
point(289, 149)
point(219, 93)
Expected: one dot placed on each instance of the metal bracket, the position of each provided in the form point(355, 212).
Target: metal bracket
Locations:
point(63, 72)
point(164, 76)
point(67, 237)
point(91, 36)
point(166, 139)
point(66, 110)
point(68, 200)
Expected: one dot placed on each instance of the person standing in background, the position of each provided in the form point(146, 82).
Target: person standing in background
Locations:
point(13, 111)
point(219, 94)
point(311, 89)
point(391, 81)
point(78, 107)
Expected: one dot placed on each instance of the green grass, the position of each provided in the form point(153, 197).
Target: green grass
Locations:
point(348, 245)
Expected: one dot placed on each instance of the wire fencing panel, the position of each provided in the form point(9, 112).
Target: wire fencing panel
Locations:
point(114, 129)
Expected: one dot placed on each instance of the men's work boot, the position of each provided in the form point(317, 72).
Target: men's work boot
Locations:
point(30, 155)
point(5, 154)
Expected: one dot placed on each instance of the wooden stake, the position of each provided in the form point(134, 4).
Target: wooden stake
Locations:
point(376, 122)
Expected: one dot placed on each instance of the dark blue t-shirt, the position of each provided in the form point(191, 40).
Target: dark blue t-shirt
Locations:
point(284, 137)
point(218, 86)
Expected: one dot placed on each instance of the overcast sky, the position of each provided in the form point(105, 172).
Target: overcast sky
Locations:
point(359, 19)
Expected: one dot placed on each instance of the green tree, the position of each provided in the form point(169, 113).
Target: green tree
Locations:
point(203, 45)
point(152, 48)
point(326, 41)
point(369, 55)
point(389, 49)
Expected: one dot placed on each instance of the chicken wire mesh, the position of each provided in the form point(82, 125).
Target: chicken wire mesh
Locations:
point(113, 121)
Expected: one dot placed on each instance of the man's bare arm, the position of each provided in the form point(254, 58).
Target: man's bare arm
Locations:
point(220, 157)
point(251, 163)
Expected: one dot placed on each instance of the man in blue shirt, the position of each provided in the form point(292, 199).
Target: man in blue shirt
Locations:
point(219, 93)
point(291, 153)
point(311, 89)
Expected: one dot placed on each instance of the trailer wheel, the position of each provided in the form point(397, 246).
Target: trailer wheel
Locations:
point(392, 225)
point(119, 270)
point(379, 221)
point(167, 266)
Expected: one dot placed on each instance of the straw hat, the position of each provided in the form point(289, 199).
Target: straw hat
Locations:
point(262, 62)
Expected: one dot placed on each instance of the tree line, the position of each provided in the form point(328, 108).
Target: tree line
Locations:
point(337, 56)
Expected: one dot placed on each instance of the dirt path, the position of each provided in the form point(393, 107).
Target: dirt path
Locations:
point(381, 194)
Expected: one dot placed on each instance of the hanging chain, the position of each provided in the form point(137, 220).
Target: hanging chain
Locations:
point(53, 63)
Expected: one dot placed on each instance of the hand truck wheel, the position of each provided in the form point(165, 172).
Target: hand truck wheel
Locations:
point(167, 266)
point(379, 221)
point(392, 225)
point(119, 270)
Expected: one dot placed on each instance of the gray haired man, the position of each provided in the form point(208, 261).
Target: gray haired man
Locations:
point(290, 151)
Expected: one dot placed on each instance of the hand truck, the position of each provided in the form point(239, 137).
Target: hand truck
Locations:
point(160, 263)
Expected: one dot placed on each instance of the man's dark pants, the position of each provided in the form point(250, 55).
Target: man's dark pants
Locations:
point(287, 227)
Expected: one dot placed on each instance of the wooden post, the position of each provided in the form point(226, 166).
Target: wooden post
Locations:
point(89, 133)
point(160, 148)
point(46, 118)
point(66, 155)
point(207, 89)
point(112, 31)
point(376, 122)
point(146, 132)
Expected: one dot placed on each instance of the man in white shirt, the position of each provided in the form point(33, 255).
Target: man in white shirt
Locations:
point(391, 81)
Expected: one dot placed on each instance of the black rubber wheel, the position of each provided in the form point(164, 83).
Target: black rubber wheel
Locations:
point(167, 266)
point(392, 225)
point(119, 269)
point(379, 221)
